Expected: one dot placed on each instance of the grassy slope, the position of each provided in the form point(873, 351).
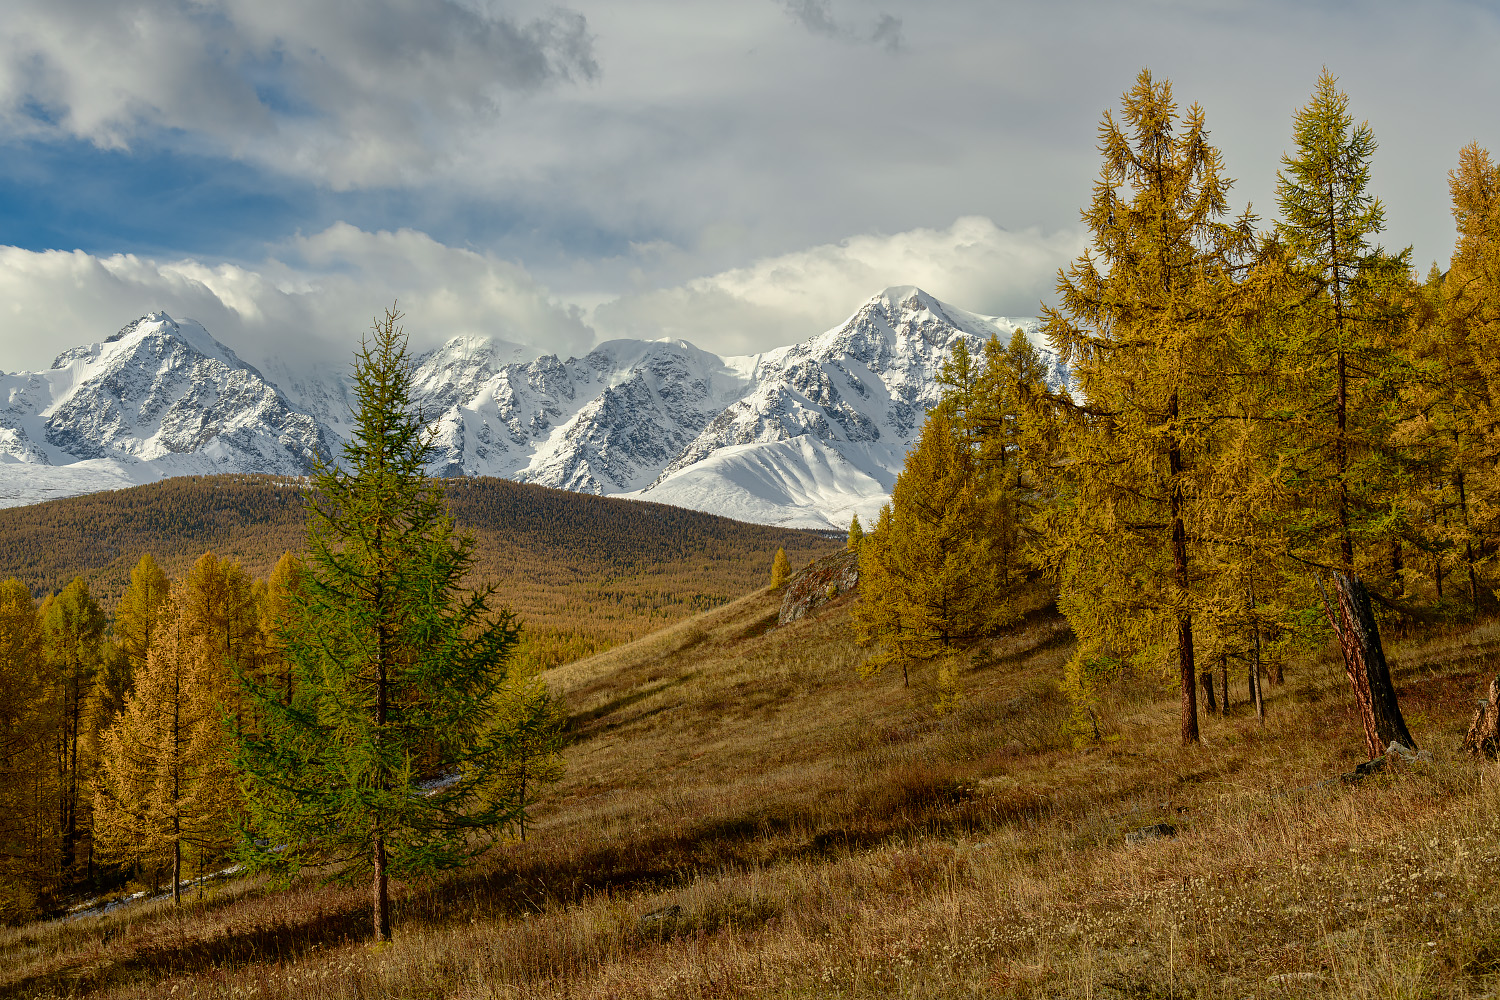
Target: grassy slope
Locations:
point(819, 835)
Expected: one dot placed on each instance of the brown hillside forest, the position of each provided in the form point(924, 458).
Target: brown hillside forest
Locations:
point(1082, 730)
point(583, 572)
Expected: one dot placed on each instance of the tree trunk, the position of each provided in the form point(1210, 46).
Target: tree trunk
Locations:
point(1255, 694)
point(1210, 702)
point(1224, 682)
point(1189, 687)
point(1260, 704)
point(382, 892)
point(176, 869)
point(1364, 662)
point(1463, 508)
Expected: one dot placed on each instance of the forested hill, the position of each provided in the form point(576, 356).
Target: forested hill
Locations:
point(600, 569)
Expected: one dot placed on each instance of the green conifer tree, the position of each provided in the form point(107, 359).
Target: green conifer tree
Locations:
point(393, 667)
point(1343, 371)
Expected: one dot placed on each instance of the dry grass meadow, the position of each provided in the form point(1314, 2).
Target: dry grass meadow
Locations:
point(742, 816)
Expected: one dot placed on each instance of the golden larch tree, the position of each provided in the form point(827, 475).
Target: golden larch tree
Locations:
point(1143, 322)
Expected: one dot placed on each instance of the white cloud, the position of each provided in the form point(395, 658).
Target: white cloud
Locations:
point(350, 92)
point(973, 264)
point(312, 297)
point(309, 302)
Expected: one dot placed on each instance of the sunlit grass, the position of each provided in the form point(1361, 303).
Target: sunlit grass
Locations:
point(795, 831)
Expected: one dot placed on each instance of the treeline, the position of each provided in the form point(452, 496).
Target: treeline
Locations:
point(1252, 408)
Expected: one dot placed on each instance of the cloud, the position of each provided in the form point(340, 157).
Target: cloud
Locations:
point(817, 17)
point(352, 92)
point(973, 264)
point(307, 304)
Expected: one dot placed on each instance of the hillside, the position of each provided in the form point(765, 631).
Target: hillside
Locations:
point(742, 816)
point(591, 570)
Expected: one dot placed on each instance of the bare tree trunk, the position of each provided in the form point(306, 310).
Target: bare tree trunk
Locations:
point(1210, 701)
point(1260, 704)
point(1463, 506)
point(1189, 687)
point(176, 864)
point(1255, 695)
point(1364, 662)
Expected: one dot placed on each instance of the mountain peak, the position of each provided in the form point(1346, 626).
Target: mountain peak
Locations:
point(807, 433)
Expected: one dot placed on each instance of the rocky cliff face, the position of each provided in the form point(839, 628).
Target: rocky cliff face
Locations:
point(825, 580)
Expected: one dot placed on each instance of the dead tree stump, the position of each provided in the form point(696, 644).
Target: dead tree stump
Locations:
point(1483, 737)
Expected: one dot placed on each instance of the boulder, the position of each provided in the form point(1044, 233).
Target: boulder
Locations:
point(660, 924)
point(817, 584)
point(1155, 831)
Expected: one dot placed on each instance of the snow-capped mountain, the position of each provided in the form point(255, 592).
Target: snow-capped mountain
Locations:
point(159, 398)
point(803, 435)
point(604, 423)
point(824, 430)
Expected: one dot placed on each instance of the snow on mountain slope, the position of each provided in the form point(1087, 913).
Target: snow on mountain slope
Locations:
point(157, 392)
point(23, 483)
point(603, 423)
point(801, 482)
point(861, 391)
point(807, 434)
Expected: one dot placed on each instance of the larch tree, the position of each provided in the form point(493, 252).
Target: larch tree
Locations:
point(26, 844)
point(135, 618)
point(1471, 294)
point(397, 673)
point(1144, 322)
point(217, 600)
point(1345, 367)
point(856, 534)
point(73, 650)
point(781, 569)
point(140, 610)
point(933, 576)
point(276, 609)
point(165, 792)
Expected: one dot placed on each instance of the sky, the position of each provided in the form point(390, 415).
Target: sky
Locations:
point(741, 174)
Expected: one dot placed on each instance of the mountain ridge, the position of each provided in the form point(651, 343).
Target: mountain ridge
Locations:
point(661, 420)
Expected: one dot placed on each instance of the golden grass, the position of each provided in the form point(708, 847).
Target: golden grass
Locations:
point(795, 832)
